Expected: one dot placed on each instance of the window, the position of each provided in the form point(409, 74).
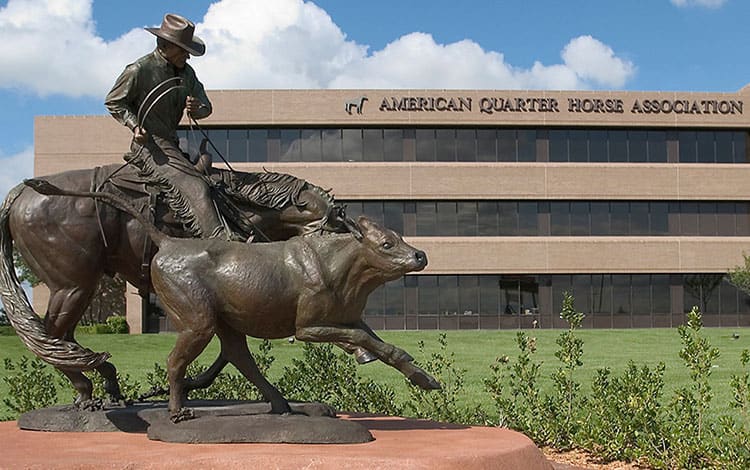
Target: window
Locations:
point(558, 145)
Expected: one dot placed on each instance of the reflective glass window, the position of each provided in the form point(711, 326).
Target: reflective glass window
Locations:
point(311, 147)
point(687, 143)
point(258, 145)
point(466, 149)
point(528, 218)
point(601, 294)
point(621, 294)
point(506, 145)
point(352, 145)
point(467, 219)
point(468, 295)
point(425, 145)
point(393, 145)
point(237, 145)
point(331, 142)
point(489, 295)
point(445, 143)
point(558, 145)
point(637, 146)
point(706, 152)
point(657, 146)
point(724, 147)
point(508, 218)
point(579, 218)
point(427, 294)
point(578, 146)
point(598, 146)
point(618, 146)
point(526, 145)
point(486, 145)
point(290, 145)
point(599, 218)
point(559, 218)
point(372, 145)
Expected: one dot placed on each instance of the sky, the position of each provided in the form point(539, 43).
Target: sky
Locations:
point(61, 57)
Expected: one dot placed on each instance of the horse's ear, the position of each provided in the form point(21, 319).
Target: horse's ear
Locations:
point(353, 228)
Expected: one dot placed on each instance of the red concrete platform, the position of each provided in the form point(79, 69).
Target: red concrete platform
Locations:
point(399, 444)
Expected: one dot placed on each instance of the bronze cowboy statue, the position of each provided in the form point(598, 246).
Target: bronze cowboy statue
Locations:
point(71, 242)
point(150, 98)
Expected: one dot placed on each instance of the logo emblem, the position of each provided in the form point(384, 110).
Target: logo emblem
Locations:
point(355, 104)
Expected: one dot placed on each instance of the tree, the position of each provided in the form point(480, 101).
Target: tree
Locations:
point(739, 276)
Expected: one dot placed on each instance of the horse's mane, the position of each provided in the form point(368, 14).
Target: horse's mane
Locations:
point(270, 189)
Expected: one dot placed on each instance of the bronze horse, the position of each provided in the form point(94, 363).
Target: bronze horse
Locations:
point(70, 242)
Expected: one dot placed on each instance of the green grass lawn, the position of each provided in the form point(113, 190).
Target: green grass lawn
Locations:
point(474, 351)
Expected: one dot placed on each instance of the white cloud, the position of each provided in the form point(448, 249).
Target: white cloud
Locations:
point(279, 44)
point(699, 3)
point(50, 46)
point(15, 169)
point(593, 60)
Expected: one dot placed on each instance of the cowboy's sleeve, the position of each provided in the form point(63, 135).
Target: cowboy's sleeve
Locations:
point(120, 100)
point(199, 92)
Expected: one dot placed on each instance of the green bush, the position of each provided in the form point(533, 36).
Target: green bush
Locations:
point(625, 419)
point(118, 324)
point(31, 383)
point(325, 376)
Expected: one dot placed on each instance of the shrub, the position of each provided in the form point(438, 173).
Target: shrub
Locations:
point(118, 324)
point(688, 433)
point(324, 376)
point(443, 404)
point(32, 384)
point(518, 404)
point(625, 419)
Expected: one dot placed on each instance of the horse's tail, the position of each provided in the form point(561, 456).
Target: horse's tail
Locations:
point(29, 327)
point(48, 189)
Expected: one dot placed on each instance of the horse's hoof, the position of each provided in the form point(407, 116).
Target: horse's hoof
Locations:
point(90, 404)
point(424, 380)
point(183, 415)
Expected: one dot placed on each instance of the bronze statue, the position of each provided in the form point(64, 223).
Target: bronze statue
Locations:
point(150, 97)
point(69, 243)
point(312, 287)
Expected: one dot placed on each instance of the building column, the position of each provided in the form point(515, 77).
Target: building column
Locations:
point(133, 309)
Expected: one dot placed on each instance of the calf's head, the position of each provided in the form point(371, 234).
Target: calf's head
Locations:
point(386, 251)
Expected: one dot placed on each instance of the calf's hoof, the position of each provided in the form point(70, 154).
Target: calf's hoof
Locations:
point(424, 380)
point(281, 408)
point(183, 415)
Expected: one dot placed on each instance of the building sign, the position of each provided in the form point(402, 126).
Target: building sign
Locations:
point(489, 105)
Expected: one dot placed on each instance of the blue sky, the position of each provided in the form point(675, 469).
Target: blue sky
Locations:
point(61, 56)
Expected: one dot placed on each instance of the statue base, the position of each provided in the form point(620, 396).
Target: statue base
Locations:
point(399, 444)
point(215, 422)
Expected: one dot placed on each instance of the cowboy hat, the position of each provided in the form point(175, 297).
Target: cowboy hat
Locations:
point(179, 31)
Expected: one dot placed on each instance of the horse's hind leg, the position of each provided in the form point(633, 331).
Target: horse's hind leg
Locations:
point(64, 310)
point(234, 349)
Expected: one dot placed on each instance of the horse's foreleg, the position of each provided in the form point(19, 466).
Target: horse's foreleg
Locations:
point(391, 355)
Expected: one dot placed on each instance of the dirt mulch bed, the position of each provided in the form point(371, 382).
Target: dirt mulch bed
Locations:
point(578, 459)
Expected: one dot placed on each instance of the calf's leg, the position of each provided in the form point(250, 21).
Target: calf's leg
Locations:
point(391, 355)
point(189, 345)
point(234, 349)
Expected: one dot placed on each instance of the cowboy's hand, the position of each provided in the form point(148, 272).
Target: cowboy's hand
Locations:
point(192, 105)
point(140, 135)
